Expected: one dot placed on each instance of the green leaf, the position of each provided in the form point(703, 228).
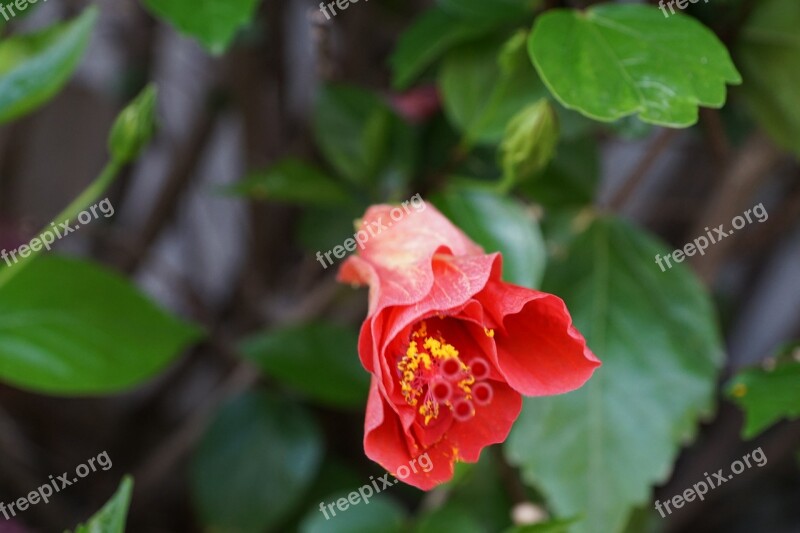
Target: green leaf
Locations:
point(68, 327)
point(614, 60)
point(768, 394)
point(479, 487)
point(551, 526)
point(499, 225)
point(134, 127)
point(484, 84)
point(570, 180)
point(322, 229)
point(255, 463)
point(111, 518)
point(319, 359)
point(213, 23)
point(529, 142)
point(381, 515)
point(362, 138)
point(768, 53)
point(34, 67)
point(292, 181)
point(449, 519)
point(597, 451)
point(433, 34)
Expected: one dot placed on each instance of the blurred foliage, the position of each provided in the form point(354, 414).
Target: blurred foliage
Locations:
point(34, 67)
point(315, 359)
point(255, 463)
point(213, 23)
point(111, 518)
point(769, 393)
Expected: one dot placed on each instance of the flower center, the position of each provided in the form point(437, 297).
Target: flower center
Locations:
point(433, 376)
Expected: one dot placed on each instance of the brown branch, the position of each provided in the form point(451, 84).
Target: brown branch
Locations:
point(634, 179)
point(747, 171)
point(183, 170)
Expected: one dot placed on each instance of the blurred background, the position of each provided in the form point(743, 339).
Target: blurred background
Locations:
point(205, 228)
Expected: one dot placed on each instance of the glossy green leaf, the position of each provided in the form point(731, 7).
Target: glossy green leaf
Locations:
point(499, 225)
point(433, 34)
point(596, 452)
point(292, 181)
point(381, 515)
point(213, 23)
point(768, 394)
point(768, 53)
point(614, 60)
point(68, 327)
point(319, 359)
point(134, 126)
point(255, 464)
point(111, 518)
point(362, 138)
point(34, 67)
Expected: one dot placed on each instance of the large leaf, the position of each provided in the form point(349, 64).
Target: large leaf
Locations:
point(768, 394)
point(33, 68)
point(380, 515)
point(70, 327)
point(254, 464)
point(318, 359)
point(111, 518)
point(596, 452)
point(768, 53)
point(614, 60)
point(499, 225)
point(212, 22)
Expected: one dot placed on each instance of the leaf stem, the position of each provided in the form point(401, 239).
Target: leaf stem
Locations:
point(89, 195)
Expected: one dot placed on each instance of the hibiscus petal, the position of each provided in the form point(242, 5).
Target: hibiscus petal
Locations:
point(456, 281)
point(397, 262)
point(490, 425)
point(539, 351)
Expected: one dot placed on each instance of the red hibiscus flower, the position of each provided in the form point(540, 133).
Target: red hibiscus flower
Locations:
point(451, 348)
